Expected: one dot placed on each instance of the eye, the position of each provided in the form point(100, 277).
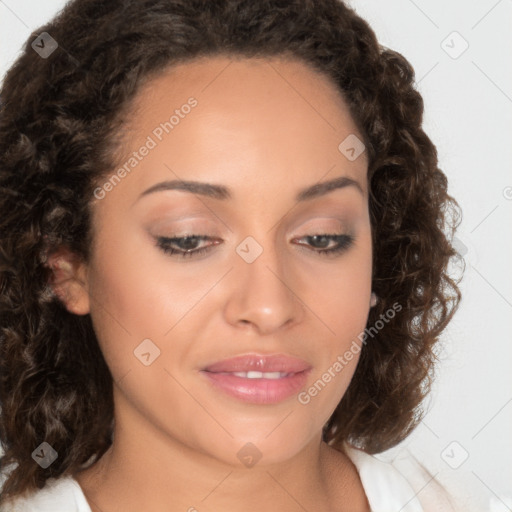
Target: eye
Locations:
point(341, 242)
point(187, 246)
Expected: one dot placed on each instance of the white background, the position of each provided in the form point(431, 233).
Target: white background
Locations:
point(468, 115)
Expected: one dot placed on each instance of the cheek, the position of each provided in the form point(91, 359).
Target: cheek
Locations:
point(138, 295)
point(126, 278)
point(340, 292)
point(343, 304)
point(125, 307)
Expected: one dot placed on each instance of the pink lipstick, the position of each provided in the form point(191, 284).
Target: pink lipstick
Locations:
point(259, 379)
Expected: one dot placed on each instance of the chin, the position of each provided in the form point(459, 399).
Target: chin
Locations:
point(261, 449)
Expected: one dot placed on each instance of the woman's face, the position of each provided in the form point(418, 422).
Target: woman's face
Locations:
point(252, 135)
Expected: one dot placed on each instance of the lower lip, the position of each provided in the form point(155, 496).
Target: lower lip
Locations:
point(258, 391)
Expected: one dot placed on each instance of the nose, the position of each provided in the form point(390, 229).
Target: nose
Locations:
point(265, 293)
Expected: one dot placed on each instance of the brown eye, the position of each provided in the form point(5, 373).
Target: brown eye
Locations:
point(320, 242)
point(183, 246)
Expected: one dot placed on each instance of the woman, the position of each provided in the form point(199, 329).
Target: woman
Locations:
point(225, 242)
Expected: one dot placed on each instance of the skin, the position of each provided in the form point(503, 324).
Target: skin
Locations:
point(265, 129)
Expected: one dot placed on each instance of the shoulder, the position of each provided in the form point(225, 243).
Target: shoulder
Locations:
point(403, 484)
point(58, 495)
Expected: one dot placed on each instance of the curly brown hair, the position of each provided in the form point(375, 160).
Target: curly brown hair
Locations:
point(58, 120)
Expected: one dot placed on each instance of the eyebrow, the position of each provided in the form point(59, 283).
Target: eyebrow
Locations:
point(222, 193)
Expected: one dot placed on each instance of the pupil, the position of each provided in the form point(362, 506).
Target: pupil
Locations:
point(323, 244)
point(189, 242)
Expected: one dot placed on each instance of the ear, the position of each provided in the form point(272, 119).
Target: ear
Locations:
point(69, 280)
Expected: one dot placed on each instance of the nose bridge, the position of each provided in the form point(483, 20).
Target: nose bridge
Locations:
point(264, 293)
point(262, 259)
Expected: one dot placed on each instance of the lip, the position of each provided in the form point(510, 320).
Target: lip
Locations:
point(259, 390)
point(260, 363)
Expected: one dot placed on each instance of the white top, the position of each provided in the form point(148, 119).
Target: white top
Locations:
point(386, 487)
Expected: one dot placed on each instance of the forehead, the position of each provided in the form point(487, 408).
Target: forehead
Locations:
point(253, 121)
point(242, 88)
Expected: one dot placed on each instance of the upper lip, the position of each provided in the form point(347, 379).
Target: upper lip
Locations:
point(260, 363)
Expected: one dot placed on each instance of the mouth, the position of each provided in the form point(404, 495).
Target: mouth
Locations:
point(258, 379)
point(259, 375)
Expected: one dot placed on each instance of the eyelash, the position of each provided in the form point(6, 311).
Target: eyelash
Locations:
point(164, 243)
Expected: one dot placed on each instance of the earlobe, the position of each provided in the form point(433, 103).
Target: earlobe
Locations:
point(68, 281)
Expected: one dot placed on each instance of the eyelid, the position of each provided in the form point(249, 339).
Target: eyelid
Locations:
point(212, 231)
point(337, 221)
point(329, 227)
point(343, 242)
